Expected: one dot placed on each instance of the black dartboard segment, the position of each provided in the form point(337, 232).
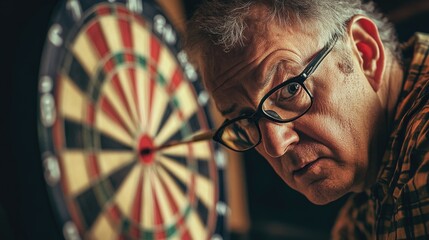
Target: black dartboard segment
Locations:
point(114, 81)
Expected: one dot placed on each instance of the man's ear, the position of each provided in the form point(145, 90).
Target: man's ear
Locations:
point(368, 48)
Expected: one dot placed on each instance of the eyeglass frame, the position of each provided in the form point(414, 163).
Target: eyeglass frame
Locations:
point(260, 113)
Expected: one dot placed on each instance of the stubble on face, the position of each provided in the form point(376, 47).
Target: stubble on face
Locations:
point(345, 113)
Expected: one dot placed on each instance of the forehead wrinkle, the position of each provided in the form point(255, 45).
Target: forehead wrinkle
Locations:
point(246, 89)
point(232, 72)
point(256, 66)
point(249, 57)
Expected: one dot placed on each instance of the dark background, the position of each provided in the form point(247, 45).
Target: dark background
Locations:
point(276, 212)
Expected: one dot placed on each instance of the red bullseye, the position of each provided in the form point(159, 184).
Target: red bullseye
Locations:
point(145, 149)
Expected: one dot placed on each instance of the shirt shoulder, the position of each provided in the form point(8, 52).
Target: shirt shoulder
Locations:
point(405, 177)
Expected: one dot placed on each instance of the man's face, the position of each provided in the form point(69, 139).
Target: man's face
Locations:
point(325, 153)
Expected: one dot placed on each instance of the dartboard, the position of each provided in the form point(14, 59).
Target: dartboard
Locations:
point(113, 83)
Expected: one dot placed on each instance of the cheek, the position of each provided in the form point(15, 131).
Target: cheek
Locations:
point(340, 138)
point(340, 112)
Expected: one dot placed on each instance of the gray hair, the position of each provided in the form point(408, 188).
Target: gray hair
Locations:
point(223, 22)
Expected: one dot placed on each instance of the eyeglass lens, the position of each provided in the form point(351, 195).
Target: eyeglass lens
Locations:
point(287, 103)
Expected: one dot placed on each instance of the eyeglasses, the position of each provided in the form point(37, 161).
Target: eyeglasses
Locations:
point(284, 103)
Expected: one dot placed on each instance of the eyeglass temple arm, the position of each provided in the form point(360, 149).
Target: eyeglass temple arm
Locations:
point(319, 57)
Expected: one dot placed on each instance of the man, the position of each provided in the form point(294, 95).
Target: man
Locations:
point(319, 89)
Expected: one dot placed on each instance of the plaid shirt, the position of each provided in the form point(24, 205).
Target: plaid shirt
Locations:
point(397, 205)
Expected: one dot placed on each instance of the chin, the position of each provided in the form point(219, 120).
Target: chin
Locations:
point(321, 200)
point(322, 194)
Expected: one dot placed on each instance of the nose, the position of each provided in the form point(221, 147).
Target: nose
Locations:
point(277, 137)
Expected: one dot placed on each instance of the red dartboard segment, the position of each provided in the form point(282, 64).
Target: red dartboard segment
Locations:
point(137, 202)
point(122, 11)
point(99, 43)
point(175, 209)
point(192, 197)
point(114, 212)
point(129, 58)
point(75, 212)
point(155, 48)
point(154, 54)
point(90, 114)
point(175, 81)
point(104, 10)
point(152, 85)
point(158, 219)
point(120, 91)
point(180, 115)
point(125, 29)
point(132, 74)
point(95, 33)
point(109, 66)
point(93, 168)
point(98, 39)
point(135, 232)
point(182, 227)
point(107, 108)
point(57, 133)
point(186, 235)
point(127, 41)
point(171, 201)
point(137, 206)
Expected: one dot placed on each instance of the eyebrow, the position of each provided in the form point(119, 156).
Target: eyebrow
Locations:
point(269, 75)
point(229, 110)
point(264, 84)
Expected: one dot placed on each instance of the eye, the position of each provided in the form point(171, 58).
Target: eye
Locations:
point(273, 114)
point(243, 123)
point(289, 91)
